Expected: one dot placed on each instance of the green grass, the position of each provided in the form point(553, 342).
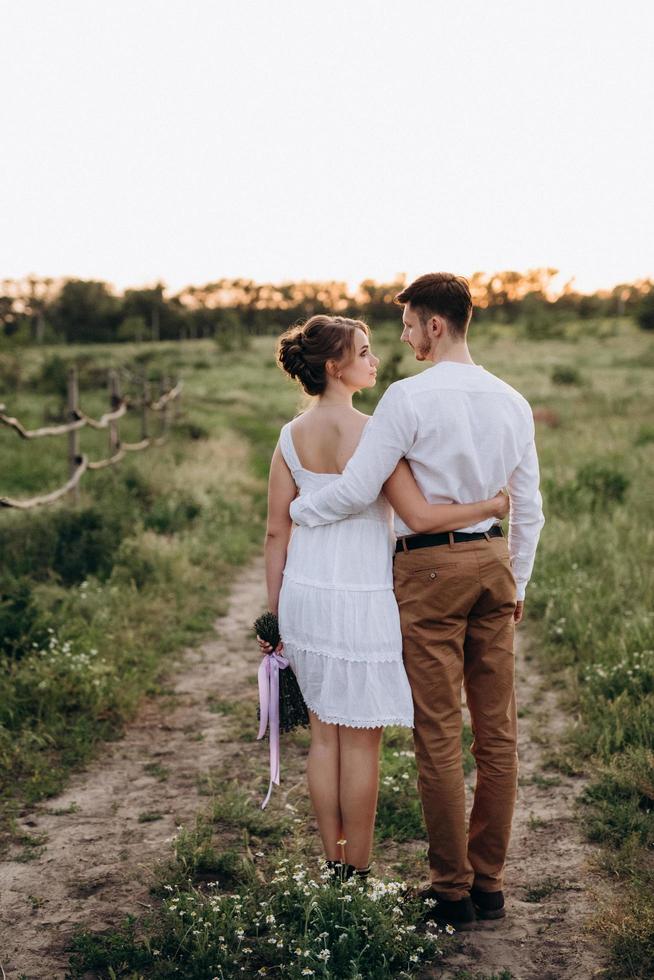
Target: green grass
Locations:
point(260, 904)
point(157, 770)
point(181, 517)
point(590, 600)
point(149, 816)
point(536, 893)
point(97, 599)
point(399, 812)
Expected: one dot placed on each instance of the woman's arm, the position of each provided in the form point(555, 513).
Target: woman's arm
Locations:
point(406, 499)
point(281, 491)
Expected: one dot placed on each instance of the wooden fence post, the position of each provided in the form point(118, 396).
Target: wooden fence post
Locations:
point(73, 436)
point(163, 388)
point(114, 402)
point(177, 412)
point(145, 397)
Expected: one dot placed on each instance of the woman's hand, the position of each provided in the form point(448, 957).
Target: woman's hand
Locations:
point(266, 647)
point(501, 504)
point(406, 499)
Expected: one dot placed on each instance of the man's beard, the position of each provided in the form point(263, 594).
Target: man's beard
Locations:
point(423, 350)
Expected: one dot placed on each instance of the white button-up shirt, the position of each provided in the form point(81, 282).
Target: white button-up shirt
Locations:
point(465, 434)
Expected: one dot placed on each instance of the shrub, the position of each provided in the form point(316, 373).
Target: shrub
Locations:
point(645, 314)
point(565, 375)
point(133, 565)
point(596, 486)
point(69, 543)
point(53, 379)
point(10, 373)
point(21, 624)
point(61, 681)
point(541, 324)
point(137, 487)
point(230, 333)
point(85, 544)
point(644, 436)
point(90, 373)
point(168, 516)
point(602, 483)
point(192, 430)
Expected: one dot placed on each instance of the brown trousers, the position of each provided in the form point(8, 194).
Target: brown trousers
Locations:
point(456, 607)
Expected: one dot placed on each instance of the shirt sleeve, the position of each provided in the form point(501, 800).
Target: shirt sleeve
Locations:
point(526, 518)
point(386, 439)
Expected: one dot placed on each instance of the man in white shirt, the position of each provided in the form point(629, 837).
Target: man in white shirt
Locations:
point(465, 434)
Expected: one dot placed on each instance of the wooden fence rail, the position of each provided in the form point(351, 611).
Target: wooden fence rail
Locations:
point(78, 464)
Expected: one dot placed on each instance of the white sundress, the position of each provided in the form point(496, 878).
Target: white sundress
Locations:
point(338, 618)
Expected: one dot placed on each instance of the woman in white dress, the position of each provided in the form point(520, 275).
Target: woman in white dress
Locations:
point(332, 586)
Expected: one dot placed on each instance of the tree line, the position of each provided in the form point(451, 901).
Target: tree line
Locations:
point(46, 310)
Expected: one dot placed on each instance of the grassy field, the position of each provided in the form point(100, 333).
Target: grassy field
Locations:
point(96, 602)
point(96, 598)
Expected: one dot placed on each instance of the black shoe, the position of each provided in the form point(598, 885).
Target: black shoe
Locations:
point(459, 913)
point(339, 871)
point(343, 872)
point(488, 905)
point(360, 875)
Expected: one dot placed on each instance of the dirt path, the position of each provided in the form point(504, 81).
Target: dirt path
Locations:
point(97, 858)
point(96, 863)
point(550, 887)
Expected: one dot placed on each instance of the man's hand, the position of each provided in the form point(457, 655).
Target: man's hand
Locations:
point(519, 609)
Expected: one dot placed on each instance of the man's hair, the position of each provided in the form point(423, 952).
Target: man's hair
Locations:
point(440, 294)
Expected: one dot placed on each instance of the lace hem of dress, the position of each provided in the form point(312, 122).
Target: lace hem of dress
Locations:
point(351, 723)
point(395, 657)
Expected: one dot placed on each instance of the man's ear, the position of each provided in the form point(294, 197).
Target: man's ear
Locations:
point(438, 326)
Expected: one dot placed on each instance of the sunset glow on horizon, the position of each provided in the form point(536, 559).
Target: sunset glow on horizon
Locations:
point(190, 142)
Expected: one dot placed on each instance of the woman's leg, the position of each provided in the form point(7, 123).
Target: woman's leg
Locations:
point(323, 776)
point(359, 784)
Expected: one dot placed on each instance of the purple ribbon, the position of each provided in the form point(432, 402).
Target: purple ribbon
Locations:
point(269, 670)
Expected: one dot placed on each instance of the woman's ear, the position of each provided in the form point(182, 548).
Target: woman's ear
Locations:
point(331, 368)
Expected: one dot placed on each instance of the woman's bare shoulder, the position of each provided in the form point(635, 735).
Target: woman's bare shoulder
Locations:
point(338, 417)
point(303, 421)
point(356, 422)
point(361, 417)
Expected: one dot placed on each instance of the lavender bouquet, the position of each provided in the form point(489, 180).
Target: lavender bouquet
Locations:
point(292, 709)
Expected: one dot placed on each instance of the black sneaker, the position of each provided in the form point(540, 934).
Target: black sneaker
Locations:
point(460, 914)
point(488, 905)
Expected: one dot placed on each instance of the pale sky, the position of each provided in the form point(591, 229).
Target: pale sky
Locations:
point(291, 139)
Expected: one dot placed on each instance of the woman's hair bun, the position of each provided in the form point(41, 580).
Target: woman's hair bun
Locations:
point(290, 353)
point(303, 350)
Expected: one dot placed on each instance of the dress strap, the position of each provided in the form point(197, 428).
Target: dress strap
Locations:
point(288, 449)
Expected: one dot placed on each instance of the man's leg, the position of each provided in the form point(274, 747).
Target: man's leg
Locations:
point(489, 683)
point(434, 590)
